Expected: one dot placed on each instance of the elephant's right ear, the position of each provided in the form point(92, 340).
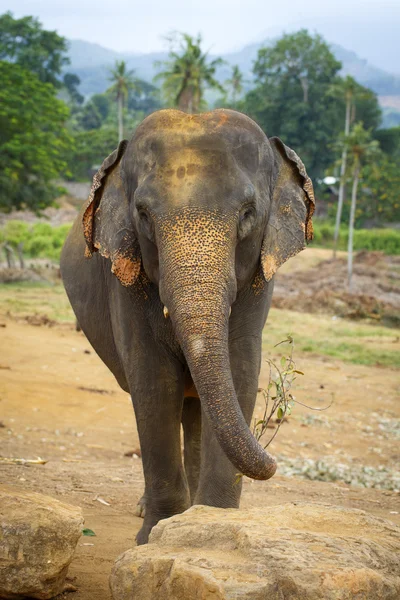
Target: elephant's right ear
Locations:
point(107, 226)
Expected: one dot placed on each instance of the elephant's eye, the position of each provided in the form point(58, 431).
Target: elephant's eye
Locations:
point(246, 220)
point(143, 215)
point(145, 223)
point(246, 214)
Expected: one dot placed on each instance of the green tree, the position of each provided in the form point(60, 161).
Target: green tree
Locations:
point(357, 99)
point(102, 104)
point(144, 98)
point(235, 83)
point(345, 88)
point(89, 117)
point(362, 149)
point(389, 140)
point(71, 83)
point(33, 139)
point(122, 81)
point(24, 42)
point(379, 192)
point(88, 151)
point(187, 73)
point(290, 98)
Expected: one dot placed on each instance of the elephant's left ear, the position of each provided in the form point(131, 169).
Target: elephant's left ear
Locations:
point(289, 226)
point(107, 226)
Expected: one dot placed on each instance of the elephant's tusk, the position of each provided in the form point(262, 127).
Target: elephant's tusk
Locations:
point(230, 310)
point(166, 312)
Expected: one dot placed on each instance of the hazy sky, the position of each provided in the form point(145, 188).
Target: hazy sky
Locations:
point(369, 27)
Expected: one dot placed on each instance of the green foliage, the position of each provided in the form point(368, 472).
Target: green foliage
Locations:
point(383, 240)
point(291, 99)
point(25, 43)
point(188, 73)
point(378, 191)
point(379, 199)
point(102, 104)
point(33, 139)
point(389, 141)
point(144, 98)
point(235, 84)
point(122, 81)
point(89, 117)
point(89, 150)
point(298, 96)
point(39, 240)
point(15, 232)
point(71, 83)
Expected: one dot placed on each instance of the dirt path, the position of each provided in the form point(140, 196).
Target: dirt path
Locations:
point(59, 402)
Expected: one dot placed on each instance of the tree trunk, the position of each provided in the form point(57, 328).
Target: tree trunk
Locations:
point(120, 118)
point(20, 248)
point(342, 176)
point(9, 256)
point(356, 174)
point(305, 86)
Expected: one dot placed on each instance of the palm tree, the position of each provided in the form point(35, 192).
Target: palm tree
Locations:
point(188, 73)
point(346, 87)
point(122, 81)
point(362, 149)
point(235, 83)
point(349, 90)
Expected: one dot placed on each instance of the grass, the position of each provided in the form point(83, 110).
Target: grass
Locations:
point(26, 298)
point(320, 335)
point(363, 344)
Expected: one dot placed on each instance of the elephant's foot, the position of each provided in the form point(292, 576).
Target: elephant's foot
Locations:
point(152, 517)
point(141, 507)
point(142, 537)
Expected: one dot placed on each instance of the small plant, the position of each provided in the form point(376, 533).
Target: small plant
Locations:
point(278, 397)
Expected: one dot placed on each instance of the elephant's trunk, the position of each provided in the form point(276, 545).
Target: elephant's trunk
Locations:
point(198, 285)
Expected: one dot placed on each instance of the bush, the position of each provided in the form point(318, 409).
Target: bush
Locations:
point(386, 240)
point(40, 240)
point(39, 245)
point(15, 232)
point(383, 240)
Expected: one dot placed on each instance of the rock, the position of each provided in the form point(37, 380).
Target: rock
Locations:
point(38, 536)
point(293, 551)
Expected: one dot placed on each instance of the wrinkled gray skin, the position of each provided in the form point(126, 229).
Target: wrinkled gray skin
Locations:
point(195, 213)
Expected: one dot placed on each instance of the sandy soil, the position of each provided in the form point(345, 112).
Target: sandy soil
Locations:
point(59, 402)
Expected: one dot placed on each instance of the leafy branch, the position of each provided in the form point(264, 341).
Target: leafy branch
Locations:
point(278, 397)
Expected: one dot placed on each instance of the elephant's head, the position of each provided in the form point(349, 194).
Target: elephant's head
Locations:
point(198, 201)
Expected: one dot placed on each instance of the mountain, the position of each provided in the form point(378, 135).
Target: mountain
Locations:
point(382, 82)
point(91, 62)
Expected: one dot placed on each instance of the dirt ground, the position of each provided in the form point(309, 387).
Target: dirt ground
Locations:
point(375, 290)
point(59, 402)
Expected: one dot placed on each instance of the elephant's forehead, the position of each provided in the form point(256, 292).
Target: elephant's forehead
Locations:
point(188, 174)
point(186, 154)
point(180, 162)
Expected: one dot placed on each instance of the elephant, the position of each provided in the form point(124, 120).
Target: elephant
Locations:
point(169, 269)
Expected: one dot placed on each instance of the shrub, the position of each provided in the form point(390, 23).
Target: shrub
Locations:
point(40, 240)
point(383, 240)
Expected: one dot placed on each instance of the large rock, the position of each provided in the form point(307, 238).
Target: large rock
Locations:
point(38, 536)
point(294, 551)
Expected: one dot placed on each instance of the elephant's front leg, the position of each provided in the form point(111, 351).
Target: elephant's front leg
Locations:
point(157, 394)
point(219, 484)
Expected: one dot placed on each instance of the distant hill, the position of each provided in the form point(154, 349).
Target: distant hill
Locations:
point(91, 62)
